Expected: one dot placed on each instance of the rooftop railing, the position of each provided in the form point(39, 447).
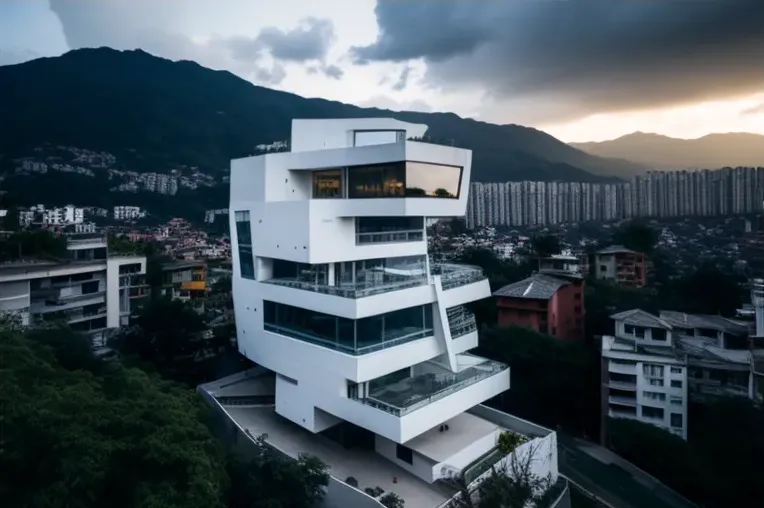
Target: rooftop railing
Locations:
point(405, 396)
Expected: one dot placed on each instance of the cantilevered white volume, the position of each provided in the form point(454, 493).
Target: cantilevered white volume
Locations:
point(334, 292)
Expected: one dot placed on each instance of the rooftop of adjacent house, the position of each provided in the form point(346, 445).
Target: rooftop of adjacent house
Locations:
point(639, 317)
point(708, 321)
point(617, 249)
point(539, 286)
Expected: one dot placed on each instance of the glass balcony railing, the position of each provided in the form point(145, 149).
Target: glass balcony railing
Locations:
point(453, 276)
point(436, 382)
point(461, 321)
point(357, 290)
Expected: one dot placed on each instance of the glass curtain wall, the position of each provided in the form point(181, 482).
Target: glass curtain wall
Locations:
point(244, 239)
point(350, 336)
point(404, 179)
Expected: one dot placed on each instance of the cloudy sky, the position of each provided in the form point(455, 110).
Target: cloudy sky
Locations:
point(582, 70)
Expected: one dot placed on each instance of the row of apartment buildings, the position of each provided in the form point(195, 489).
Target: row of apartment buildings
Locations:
point(654, 365)
point(655, 194)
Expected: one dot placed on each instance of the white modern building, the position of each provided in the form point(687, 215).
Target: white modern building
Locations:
point(90, 290)
point(334, 292)
point(654, 365)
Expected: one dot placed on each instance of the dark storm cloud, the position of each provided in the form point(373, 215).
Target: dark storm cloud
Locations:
point(309, 41)
point(586, 56)
point(157, 27)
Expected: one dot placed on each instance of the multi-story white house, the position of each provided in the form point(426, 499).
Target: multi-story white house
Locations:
point(654, 365)
point(334, 292)
point(90, 290)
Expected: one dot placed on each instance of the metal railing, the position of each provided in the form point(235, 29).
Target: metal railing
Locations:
point(410, 235)
point(461, 321)
point(358, 290)
point(80, 238)
point(450, 383)
point(453, 275)
point(347, 348)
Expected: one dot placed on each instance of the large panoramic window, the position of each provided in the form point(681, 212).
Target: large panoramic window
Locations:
point(377, 181)
point(349, 336)
point(389, 229)
point(327, 184)
point(404, 179)
point(432, 180)
point(244, 239)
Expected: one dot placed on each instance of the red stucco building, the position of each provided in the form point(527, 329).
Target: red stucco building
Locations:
point(548, 302)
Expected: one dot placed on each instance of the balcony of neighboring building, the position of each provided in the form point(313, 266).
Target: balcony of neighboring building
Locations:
point(81, 241)
point(66, 293)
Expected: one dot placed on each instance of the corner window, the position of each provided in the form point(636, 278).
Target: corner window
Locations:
point(244, 241)
point(432, 180)
point(676, 420)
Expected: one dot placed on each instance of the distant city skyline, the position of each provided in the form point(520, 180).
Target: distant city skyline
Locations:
point(581, 71)
point(657, 194)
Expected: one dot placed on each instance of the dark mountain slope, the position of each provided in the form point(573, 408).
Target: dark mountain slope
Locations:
point(662, 152)
point(153, 113)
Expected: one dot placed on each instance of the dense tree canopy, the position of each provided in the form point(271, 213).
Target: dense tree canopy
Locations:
point(36, 243)
point(545, 245)
point(636, 235)
point(119, 438)
point(554, 381)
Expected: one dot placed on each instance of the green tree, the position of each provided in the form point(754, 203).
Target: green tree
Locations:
point(392, 500)
point(636, 235)
point(38, 243)
point(267, 479)
point(710, 291)
point(545, 245)
point(564, 374)
point(168, 335)
point(121, 439)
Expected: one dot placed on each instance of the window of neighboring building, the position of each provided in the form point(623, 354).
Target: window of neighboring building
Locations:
point(650, 370)
point(654, 396)
point(90, 287)
point(676, 420)
point(577, 309)
point(405, 454)
point(577, 296)
point(244, 239)
point(327, 184)
point(676, 370)
point(677, 401)
point(652, 412)
point(603, 268)
point(676, 383)
point(658, 334)
point(636, 331)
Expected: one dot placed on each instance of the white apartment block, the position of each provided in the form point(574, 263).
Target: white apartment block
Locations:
point(128, 212)
point(60, 216)
point(654, 365)
point(91, 291)
point(334, 292)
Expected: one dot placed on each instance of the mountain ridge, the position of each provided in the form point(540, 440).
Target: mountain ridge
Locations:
point(156, 112)
point(658, 151)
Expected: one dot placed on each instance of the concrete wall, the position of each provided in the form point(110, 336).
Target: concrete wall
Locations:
point(421, 466)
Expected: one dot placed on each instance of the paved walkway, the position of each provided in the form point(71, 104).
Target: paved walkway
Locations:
point(369, 468)
point(613, 480)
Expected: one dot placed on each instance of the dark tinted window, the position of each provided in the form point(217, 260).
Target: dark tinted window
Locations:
point(432, 180)
point(377, 181)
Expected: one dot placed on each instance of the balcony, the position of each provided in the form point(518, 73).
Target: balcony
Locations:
point(85, 238)
point(461, 321)
point(453, 275)
point(433, 383)
point(357, 290)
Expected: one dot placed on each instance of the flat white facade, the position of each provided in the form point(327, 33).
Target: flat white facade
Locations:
point(334, 291)
point(91, 291)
